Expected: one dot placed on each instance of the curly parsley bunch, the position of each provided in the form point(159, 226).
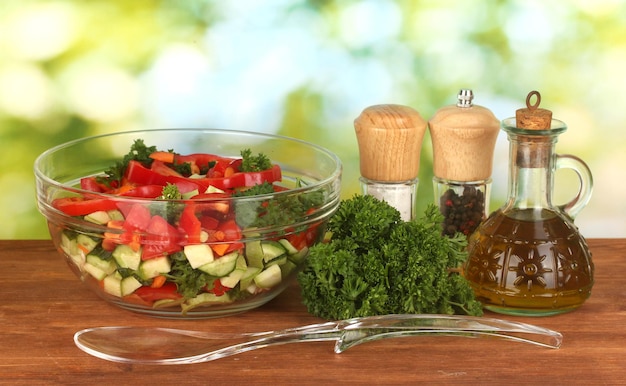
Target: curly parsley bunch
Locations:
point(377, 264)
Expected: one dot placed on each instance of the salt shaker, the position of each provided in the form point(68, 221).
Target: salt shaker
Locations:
point(390, 141)
point(463, 138)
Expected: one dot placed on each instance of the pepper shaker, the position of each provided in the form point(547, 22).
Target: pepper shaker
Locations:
point(390, 141)
point(463, 138)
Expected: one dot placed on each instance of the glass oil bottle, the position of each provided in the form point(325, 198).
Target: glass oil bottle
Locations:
point(528, 258)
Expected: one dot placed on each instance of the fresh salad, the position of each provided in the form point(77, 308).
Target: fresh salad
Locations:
point(200, 246)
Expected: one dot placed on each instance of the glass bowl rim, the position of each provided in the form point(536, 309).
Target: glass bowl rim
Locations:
point(325, 181)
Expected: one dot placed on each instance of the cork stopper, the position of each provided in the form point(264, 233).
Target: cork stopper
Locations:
point(390, 142)
point(537, 153)
point(532, 117)
point(463, 138)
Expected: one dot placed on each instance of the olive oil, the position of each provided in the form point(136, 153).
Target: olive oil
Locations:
point(529, 262)
point(528, 257)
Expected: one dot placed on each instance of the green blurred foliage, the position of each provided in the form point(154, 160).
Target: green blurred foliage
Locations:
point(318, 64)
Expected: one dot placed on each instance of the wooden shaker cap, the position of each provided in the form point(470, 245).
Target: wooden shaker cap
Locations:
point(532, 117)
point(390, 142)
point(463, 141)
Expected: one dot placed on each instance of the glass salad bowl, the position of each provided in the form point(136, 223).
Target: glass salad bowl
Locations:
point(187, 223)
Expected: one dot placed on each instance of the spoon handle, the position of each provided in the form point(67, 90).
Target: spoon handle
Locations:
point(171, 346)
point(361, 330)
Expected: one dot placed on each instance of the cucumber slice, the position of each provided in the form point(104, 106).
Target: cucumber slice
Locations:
point(70, 247)
point(198, 255)
point(99, 268)
point(272, 250)
point(235, 276)
point(287, 268)
point(94, 271)
point(99, 217)
point(288, 246)
point(163, 303)
point(222, 266)
point(112, 285)
point(232, 279)
point(248, 277)
point(154, 267)
point(115, 215)
point(116, 286)
point(129, 285)
point(269, 277)
point(280, 260)
point(254, 254)
point(299, 257)
point(205, 298)
point(126, 257)
point(86, 242)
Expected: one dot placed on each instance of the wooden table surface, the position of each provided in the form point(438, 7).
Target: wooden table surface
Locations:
point(44, 304)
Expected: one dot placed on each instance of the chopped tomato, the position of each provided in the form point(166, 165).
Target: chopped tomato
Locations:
point(161, 239)
point(138, 218)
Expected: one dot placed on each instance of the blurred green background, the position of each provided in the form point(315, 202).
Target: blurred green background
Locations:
point(306, 69)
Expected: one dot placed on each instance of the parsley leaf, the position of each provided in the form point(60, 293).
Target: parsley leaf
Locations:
point(189, 281)
point(250, 163)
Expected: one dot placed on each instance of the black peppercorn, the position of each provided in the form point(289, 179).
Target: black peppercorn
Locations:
point(462, 213)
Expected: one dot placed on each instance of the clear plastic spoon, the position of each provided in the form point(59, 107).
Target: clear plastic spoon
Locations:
point(153, 345)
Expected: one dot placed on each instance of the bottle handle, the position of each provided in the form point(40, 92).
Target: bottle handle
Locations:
point(568, 161)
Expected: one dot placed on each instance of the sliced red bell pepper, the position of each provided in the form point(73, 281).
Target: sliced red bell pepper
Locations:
point(224, 167)
point(210, 202)
point(218, 288)
point(161, 168)
point(205, 161)
point(144, 191)
point(242, 179)
point(138, 174)
point(270, 175)
point(90, 183)
point(209, 222)
point(161, 239)
point(161, 174)
point(190, 224)
point(232, 234)
point(231, 230)
point(166, 291)
point(79, 206)
point(114, 238)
